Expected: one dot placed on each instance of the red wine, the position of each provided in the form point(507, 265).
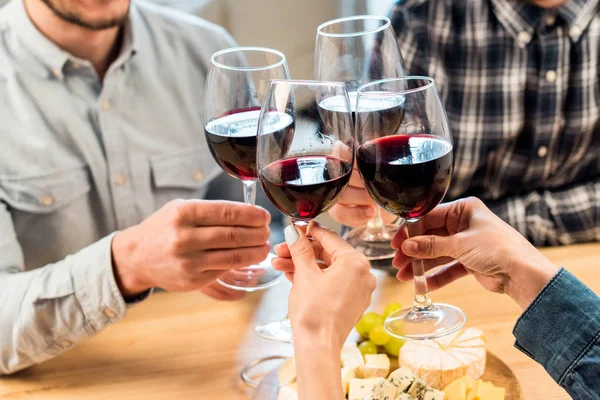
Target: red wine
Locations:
point(408, 175)
point(304, 187)
point(232, 139)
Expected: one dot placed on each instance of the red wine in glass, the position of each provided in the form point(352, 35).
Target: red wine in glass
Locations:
point(406, 174)
point(305, 187)
point(232, 139)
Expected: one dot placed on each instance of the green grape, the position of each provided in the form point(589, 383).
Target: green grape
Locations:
point(391, 308)
point(367, 322)
point(378, 335)
point(392, 347)
point(367, 347)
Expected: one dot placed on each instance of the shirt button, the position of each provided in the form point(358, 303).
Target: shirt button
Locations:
point(551, 76)
point(198, 176)
point(120, 180)
point(575, 31)
point(47, 200)
point(105, 105)
point(550, 20)
point(65, 343)
point(109, 313)
point(523, 38)
point(542, 151)
point(56, 72)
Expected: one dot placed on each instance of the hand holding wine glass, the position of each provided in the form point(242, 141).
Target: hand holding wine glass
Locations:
point(405, 161)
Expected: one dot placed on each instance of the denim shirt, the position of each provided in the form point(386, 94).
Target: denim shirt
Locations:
point(561, 331)
point(81, 159)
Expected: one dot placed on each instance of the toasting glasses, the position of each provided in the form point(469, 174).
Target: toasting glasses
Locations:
point(358, 50)
point(236, 85)
point(306, 178)
point(404, 158)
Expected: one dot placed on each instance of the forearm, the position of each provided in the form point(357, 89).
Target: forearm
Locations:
point(317, 368)
point(48, 310)
point(554, 217)
point(561, 330)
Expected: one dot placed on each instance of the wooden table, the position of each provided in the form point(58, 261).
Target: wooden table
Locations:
point(187, 346)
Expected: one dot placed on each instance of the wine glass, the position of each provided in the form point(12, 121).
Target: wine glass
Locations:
point(357, 50)
point(404, 158)
point(305, 179)
point(237, 81)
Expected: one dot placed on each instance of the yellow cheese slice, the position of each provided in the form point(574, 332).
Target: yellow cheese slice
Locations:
point(441, 361)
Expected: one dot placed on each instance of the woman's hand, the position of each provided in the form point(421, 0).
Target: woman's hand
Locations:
point(475, 241)
point(324, 305)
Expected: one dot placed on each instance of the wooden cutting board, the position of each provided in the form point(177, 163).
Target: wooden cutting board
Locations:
point(496, 371)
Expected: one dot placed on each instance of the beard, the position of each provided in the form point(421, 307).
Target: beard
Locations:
point(73, 17)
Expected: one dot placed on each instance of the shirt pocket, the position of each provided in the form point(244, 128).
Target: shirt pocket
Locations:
point(45, 193)
point(182, 175)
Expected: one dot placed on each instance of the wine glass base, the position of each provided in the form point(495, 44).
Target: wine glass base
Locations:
point(374, 246)
point(277, 331)
point(431, 323)
point(255, 371)
point(255, 277)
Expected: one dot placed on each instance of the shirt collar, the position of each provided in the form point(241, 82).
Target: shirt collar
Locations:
point(520, 19)
point(48, 53)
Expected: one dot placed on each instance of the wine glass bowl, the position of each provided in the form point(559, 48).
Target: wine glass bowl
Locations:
point(237, 81)
point(357, 50)
point(405, 160)
point(306, 178)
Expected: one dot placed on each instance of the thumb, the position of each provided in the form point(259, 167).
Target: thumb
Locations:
point(301, 250)
point(429, 246)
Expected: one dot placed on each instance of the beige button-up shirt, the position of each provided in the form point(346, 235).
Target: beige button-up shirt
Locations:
point(81, 159)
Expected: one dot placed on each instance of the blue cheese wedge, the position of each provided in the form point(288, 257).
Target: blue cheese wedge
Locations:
point(362, 389)
point(376, 366)
point(420, 391)
point(403, 396)
point(384, 390)
point(352, 358)
point(402, 377)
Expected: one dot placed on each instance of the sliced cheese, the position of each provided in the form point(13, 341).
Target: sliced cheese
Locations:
point(402, 378)
point(376, 366)
point(352, 358)
point(441, 361)
point(348, 373)
point(485, 391)
point(362, 389)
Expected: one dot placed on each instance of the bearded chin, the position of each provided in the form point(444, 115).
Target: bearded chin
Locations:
point(79, 20)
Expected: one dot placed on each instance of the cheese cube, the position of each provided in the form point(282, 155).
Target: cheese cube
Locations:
point(420, 391)
point(384, 390)
point(348, 373)
point(485, 391)
point(362, 389)
point(352, 357)
point(402, 378)
point(376, 365)
point(459, 389)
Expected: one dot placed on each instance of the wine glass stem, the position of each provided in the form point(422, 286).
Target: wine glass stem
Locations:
point(249, 192)
point(422, 300)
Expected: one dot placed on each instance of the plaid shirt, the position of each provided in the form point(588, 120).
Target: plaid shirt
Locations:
point(521, 89)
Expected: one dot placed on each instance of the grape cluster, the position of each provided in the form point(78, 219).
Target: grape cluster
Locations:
point(375, 338)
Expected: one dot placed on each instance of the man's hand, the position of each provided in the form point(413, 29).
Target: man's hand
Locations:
point(186, 245)
point(356, 207)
